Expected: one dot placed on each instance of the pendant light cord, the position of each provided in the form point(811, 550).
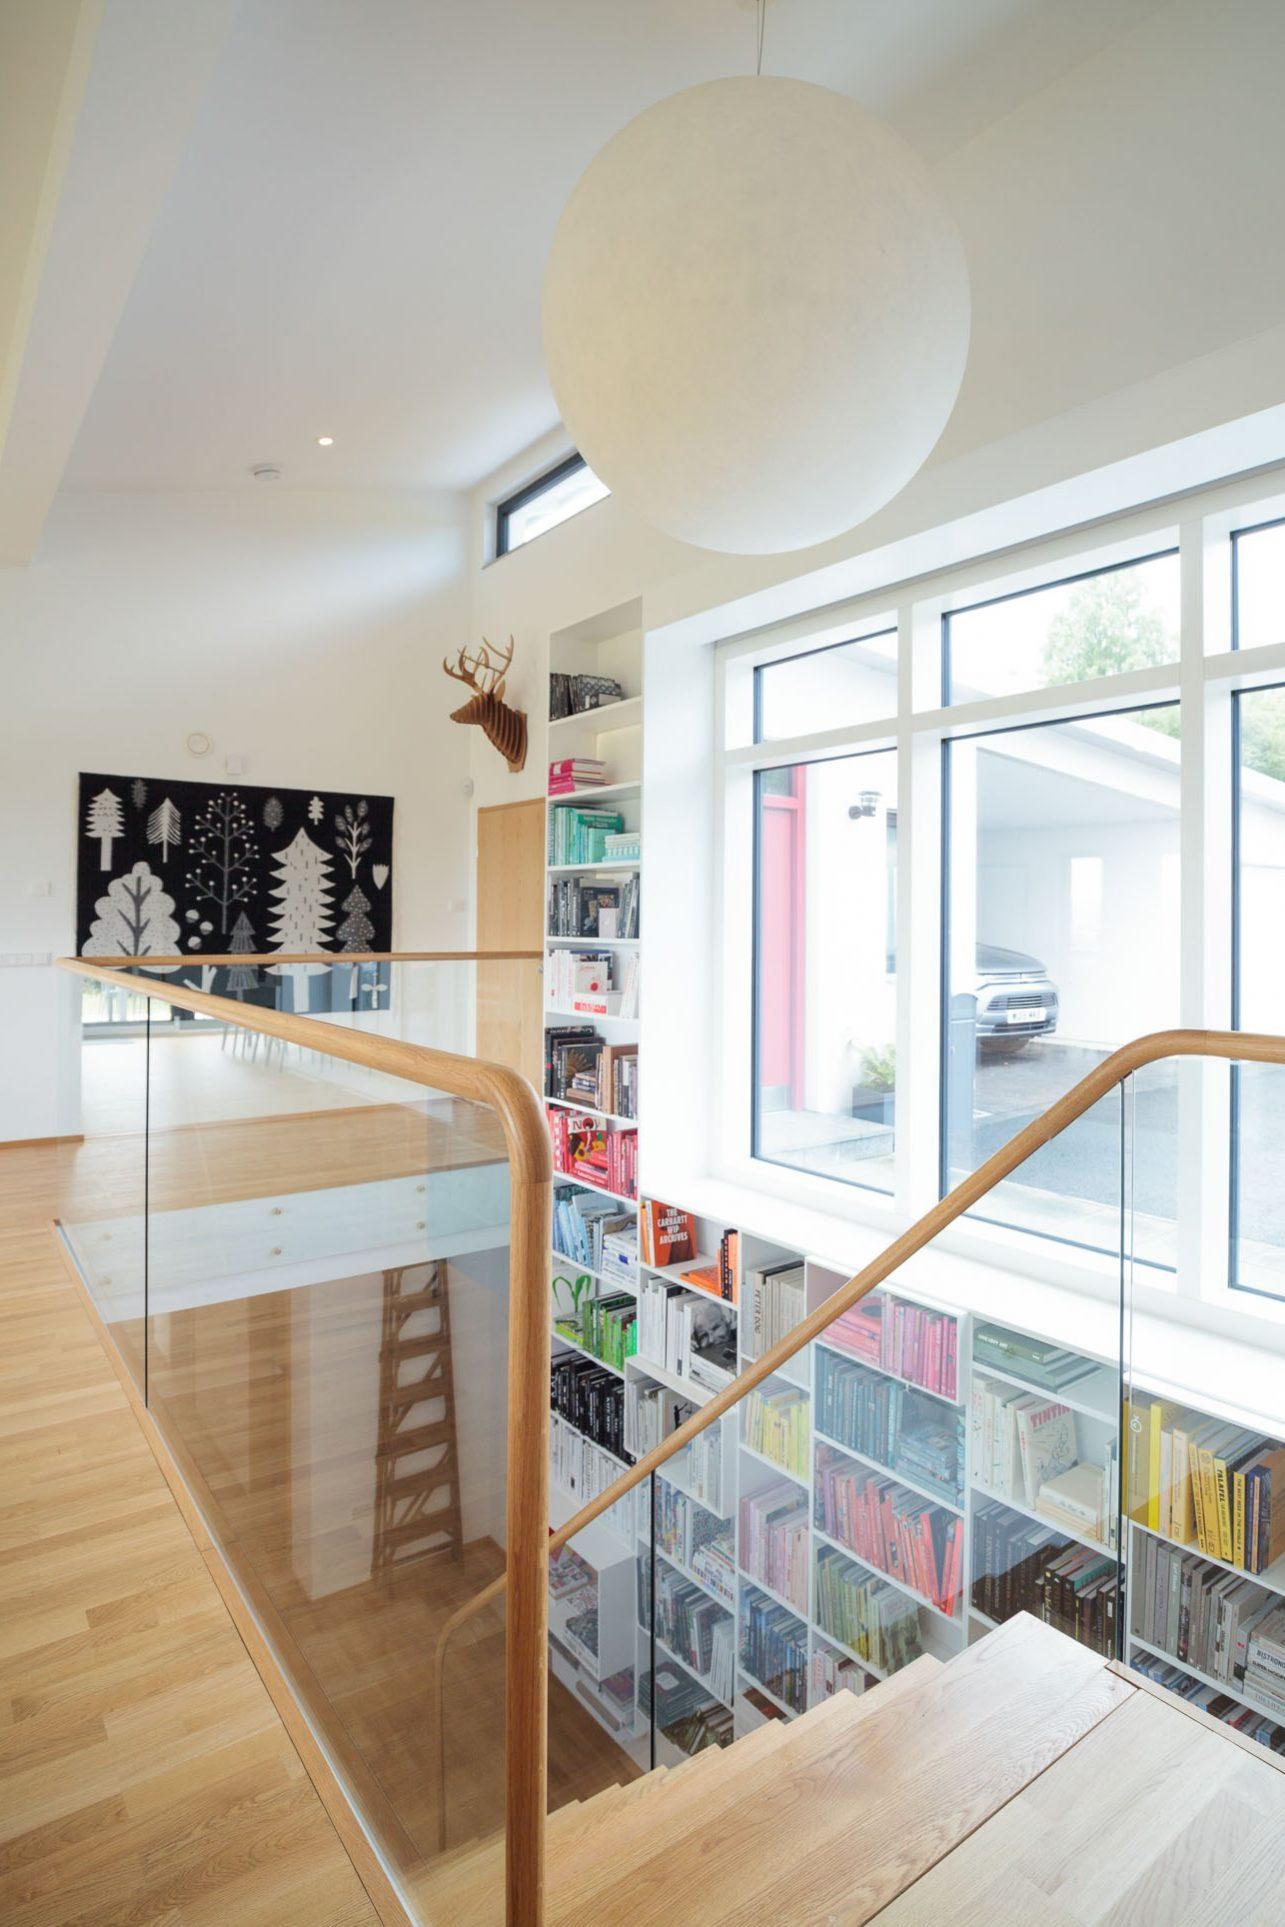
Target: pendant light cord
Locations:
point(758, 70)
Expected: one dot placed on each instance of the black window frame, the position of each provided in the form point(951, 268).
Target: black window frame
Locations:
point(801, 655)
point(521, 498)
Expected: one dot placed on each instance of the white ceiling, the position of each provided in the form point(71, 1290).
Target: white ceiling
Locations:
point(353, 240)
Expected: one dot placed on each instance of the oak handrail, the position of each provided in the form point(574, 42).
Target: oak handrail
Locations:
point(1258, 1047)
point(530, 1160)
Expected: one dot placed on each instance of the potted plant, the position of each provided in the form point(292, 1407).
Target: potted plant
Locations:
point(873, 1095)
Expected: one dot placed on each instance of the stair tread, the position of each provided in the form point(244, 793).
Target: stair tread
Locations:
point(834, 1824)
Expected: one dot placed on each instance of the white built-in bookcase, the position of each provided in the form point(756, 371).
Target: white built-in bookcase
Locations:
point(617, 1546)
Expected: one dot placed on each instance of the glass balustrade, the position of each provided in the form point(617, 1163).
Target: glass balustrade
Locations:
point(304, 1262)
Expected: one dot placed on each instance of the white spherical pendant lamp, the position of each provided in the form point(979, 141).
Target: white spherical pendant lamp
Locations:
point(756, 314)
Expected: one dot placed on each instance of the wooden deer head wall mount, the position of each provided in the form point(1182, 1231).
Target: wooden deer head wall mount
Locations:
point(503, 726)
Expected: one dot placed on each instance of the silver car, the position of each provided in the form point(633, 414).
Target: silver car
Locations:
point(1016, 1000)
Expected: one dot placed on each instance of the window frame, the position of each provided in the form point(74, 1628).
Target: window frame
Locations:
point(509, 505)
point(1202, 527)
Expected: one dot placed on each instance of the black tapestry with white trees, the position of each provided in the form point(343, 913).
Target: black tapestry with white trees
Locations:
point(207, 869)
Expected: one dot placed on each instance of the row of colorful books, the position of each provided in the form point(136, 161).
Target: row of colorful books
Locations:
point(777, 1425)
point(1211, 1485)
point(584, 1470)
point(574, 773)
point(593, 907)
point(775, 1540)
point(687, 1332)
point(1046, 1366)
point(720, 1279)
point(890, 1528)
point(1019, 1438)
point(776, 1299)
point(593, 1231)
point(1021, 1566)
point(774, 1649)
point(592, 983)
point(607, 1327)
point(877, 1620)
point(894, 1423)
point(1194, 1612)
point(596, 1153)
point(696, 1631)
point(578, 833)
point(696, 1538)
point(916, 1343)
point(833, 1672)
point(590, 1398)
point(575, 695)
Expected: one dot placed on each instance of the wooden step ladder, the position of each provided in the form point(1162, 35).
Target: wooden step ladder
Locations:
point(417, 1500)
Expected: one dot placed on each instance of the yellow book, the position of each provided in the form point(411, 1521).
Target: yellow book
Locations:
point(1224, 1507)
point(1183, 1523)
point(1211, 1539)
point(1160, 1416)
point(1238, 1520)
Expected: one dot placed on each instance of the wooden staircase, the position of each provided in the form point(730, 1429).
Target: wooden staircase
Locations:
point(823, 1819)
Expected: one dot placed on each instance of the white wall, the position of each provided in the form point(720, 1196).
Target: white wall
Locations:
point(302, 631)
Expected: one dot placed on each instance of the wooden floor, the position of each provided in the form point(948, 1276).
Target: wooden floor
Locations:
point(144, 1773)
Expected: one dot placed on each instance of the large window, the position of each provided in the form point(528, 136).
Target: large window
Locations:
point(1063, 942)
point(1258, 1262)
point(938, 915)
point(551, 498)
point(825, 1004)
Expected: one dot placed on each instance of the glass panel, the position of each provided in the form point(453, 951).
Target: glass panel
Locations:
point(830, 688)
point(1099, 624)
point(1259, 1202)
point(1205, 1505)
point(825, 968)
point(562, 498)
point(102, 1157)
point(1062, 944)
point(328, 1288)
point(1258, 557)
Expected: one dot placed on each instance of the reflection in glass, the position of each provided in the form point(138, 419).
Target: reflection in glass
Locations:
point(1259, 1201)
point(829, 688)
point(1259, 566)
point(1062, 945)
point(1101, 624)
point(825, 977)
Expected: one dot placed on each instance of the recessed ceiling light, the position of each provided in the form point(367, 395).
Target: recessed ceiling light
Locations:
point(325, 441)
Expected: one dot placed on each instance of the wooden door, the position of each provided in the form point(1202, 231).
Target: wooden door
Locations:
point(510, 916)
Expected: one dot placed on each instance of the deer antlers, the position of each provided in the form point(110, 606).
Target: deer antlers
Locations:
point(480, 664)
point(504, 727)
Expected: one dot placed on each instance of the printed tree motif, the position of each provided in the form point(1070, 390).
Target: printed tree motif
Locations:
point(134, 919)
point(303, 913)
point(380, 873)
point(138, 790)
point(242, 977)
point(353, 839)
point(222, 851)
point(356, 930)
point(103, 819)
point(165, 827)
point(274, 813)
point(316, 810)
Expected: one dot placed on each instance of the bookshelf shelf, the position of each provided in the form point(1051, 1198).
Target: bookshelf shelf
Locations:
point(1232, 1691)
point(594, 794)
point(1273, 1580)
point(749, 1679)
point(877, 1572)
point(1038, 1518)
point(685, 1572)
point(749, 1578)
point(593, 869)
point(587, 1184)
point(774, 1465)
point(855, 1358)
point(674, 1275)
point(602, 720)
point(604, 1117)
point(560, 1338)
point(1091, 1397)
point(684, 1387)
point(922, 1491)
point(616, 1282)
point(594, 943)
point(591, 1017)
point(684, 1667)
